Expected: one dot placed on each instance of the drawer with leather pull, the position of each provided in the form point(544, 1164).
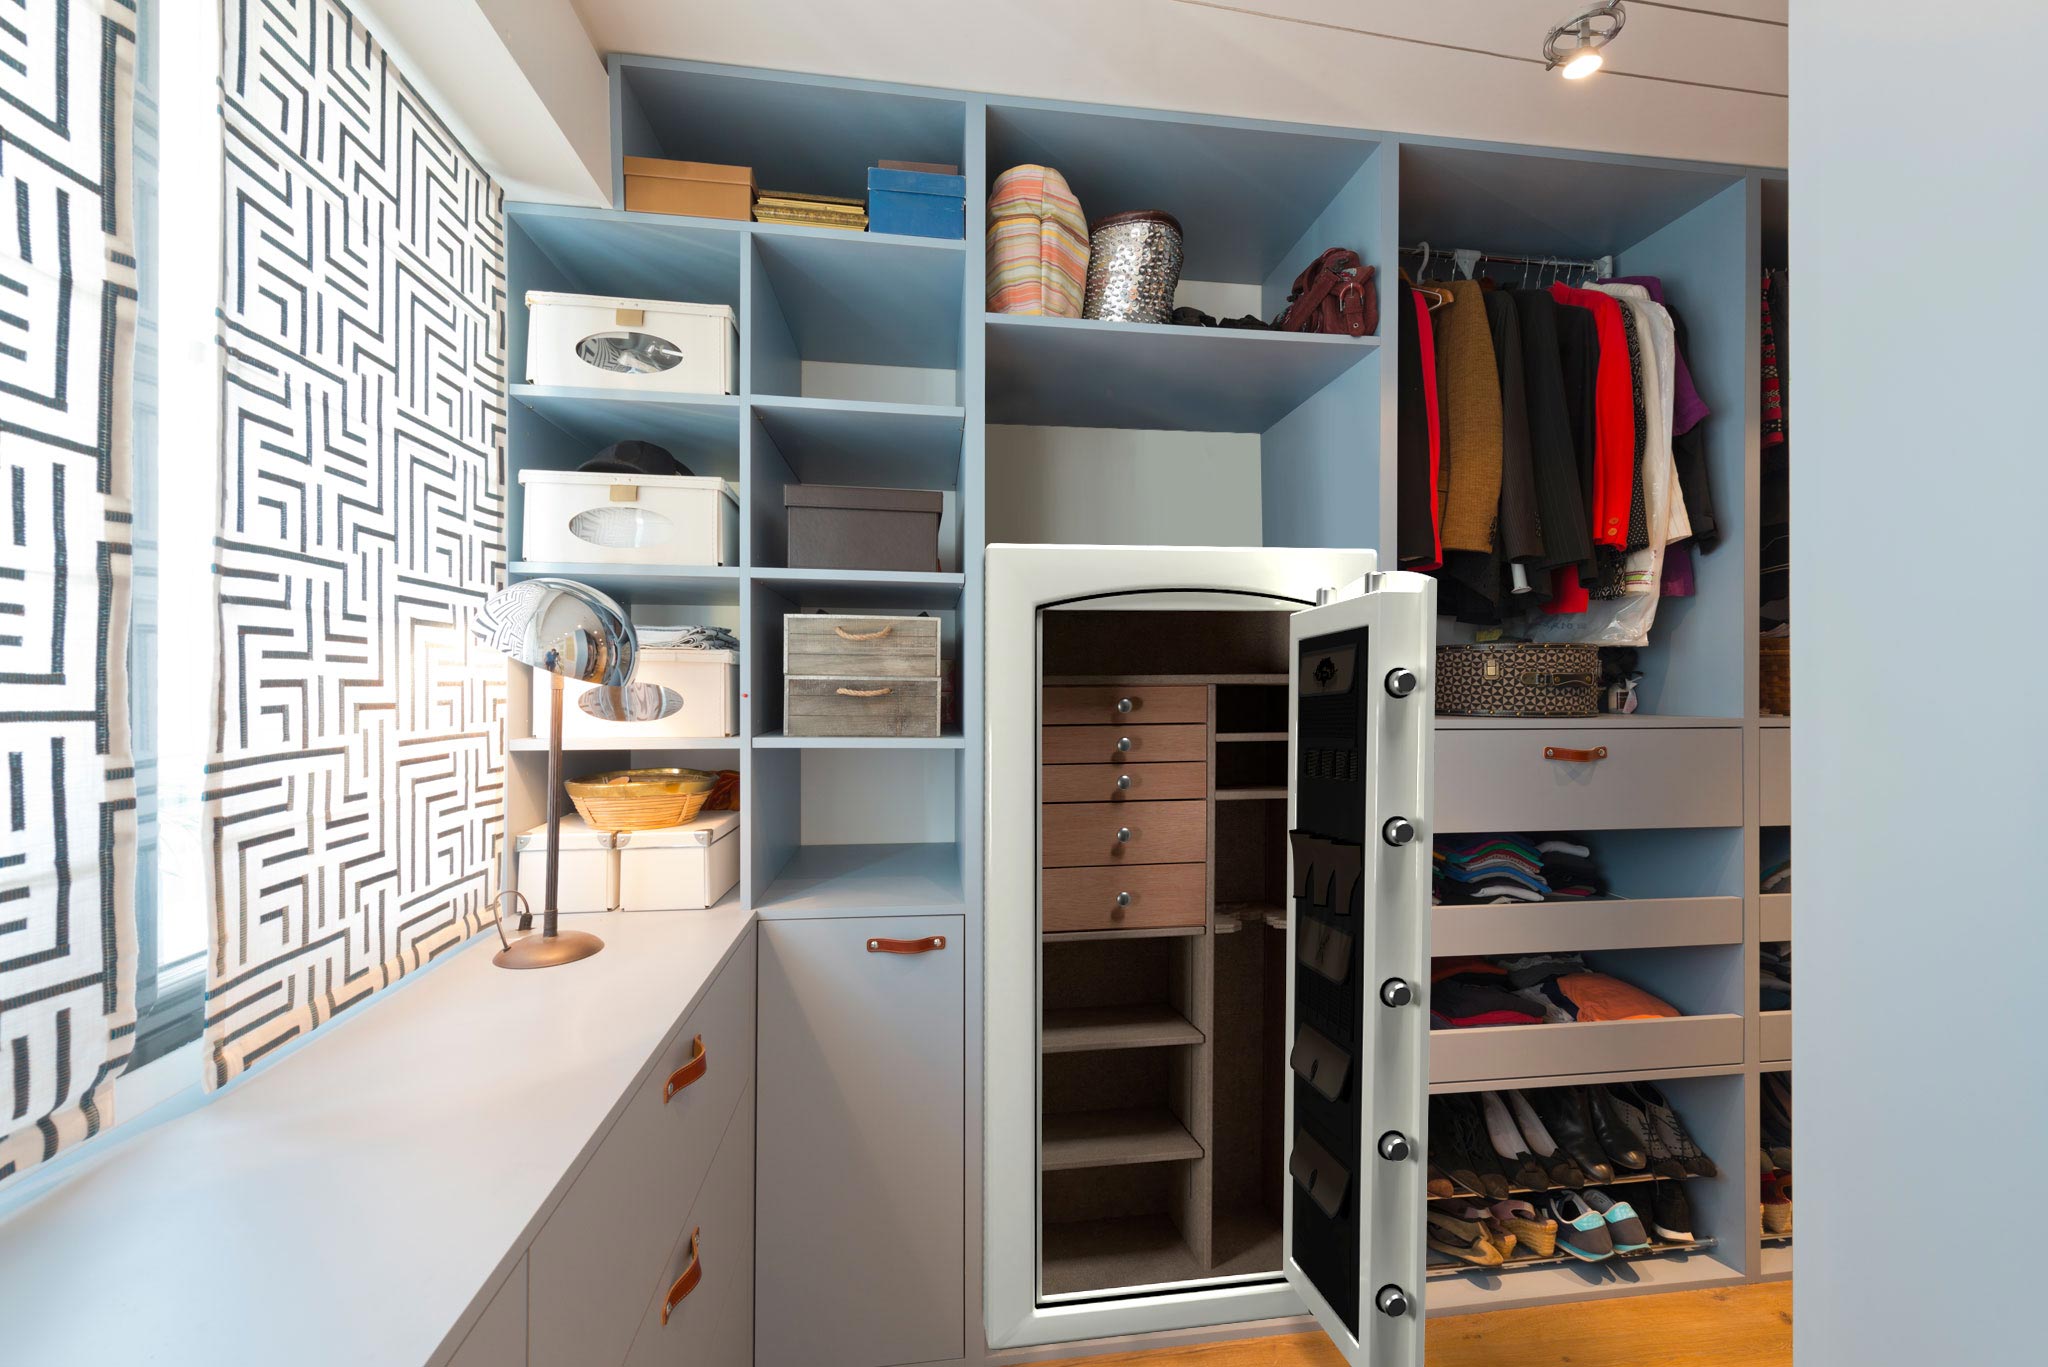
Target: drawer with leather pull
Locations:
point(1142, 897)
point(703, 1311)
point(1635, 777)
point(1123, 782)
point(599, 1255)
point(1133, 705)
point(1081, 833)
point(1124, 744)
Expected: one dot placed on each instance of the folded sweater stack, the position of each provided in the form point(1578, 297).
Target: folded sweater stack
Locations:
point(1532, 989)
point(1513, 868)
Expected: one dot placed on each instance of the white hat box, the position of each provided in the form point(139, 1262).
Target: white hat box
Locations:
point(587, 869)
point(708, 680)
point(595, 517)
point(687, 866)
point(592, 341)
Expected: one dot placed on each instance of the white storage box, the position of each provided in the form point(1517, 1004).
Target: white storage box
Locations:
point(591, 341)
point(592, 517)
point(708, 680)
point(687, 866)
point(587, 869)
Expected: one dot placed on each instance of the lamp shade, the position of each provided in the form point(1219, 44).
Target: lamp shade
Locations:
point(563, 627)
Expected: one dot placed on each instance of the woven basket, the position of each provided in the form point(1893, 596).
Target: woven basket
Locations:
point(641, 799)
point(1774, 675)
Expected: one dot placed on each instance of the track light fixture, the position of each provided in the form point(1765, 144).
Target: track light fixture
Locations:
point(1575, 44)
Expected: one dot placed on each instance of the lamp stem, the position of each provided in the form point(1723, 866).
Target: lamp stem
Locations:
point(550, 923)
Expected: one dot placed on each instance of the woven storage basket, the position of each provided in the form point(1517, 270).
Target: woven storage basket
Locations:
point(641, 799)
point(1774, 675)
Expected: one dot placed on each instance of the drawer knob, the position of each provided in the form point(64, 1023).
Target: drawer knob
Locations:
point(1570, 756)
point(1392, 1301)
point(1124, 705)
point(1398, 831)
point(1396, 992)
point(688, 1073)
point(1123, 783)
point(1394, 1147)
point(924, 946)
point(1123, 745)
point(1123, 899)
point(686, 1283)
point(1401, 682)
point(1123, 835)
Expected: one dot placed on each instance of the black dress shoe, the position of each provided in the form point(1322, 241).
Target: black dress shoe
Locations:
point(1469, 1157)
point(1563, 1112)
point(1673, 1133)
point(1618, 1141)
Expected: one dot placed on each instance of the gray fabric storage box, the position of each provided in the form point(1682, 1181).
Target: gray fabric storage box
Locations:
point(837, 527)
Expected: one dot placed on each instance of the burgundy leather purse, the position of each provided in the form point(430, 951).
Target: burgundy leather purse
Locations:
point(1334, 295)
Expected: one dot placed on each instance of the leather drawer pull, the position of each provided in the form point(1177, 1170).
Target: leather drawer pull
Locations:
point(864, 692)
point(843, 634)
point(1319, 1063)
point(1559, 752)
point(686, 1283)
point(688, 1073)
point(924, 946)
point(1320, 1175)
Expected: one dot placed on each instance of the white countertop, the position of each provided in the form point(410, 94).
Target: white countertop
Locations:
point(352, 1203)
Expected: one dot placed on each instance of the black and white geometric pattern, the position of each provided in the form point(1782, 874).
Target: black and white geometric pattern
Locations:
point(355, 797)
point(67, 317)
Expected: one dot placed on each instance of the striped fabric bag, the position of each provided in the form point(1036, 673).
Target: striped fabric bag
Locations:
point(1037, 244)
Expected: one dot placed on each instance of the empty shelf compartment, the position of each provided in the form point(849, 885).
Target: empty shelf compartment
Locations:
point(1082, 1028)
point(1107, 1139)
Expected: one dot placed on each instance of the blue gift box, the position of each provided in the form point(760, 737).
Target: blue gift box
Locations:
point(916, 203)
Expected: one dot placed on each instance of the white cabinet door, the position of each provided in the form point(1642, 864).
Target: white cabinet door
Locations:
point(859, 1184)
point(1359, 774)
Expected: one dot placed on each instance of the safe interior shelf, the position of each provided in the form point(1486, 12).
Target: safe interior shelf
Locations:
point(1249, 737)
point(1777, 909)
point(1589, 924)
point(1579, 1049)
point(1631, 1179)
point(1444, 1271)
point(1251, 794)
point(1079, 1029)
point(1072, 372)
point(1109, 1139)
point(1076, 937)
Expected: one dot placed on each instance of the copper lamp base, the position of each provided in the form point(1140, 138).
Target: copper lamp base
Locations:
point(546, 951)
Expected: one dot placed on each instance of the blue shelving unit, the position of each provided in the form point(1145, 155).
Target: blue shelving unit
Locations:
point(868, 359)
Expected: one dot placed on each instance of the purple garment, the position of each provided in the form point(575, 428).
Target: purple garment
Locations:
point(1678, 578)
point(1687, 407)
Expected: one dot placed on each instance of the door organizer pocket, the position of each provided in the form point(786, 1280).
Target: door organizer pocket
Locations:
point(1326, 871)
point(1318, 1174)
point(1324, 948)
point(1319, 1063)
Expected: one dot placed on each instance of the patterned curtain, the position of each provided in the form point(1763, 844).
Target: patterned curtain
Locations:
point(355, 795)
point(67, 319)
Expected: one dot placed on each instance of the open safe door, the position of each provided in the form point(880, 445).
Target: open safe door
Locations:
point(1359, 779)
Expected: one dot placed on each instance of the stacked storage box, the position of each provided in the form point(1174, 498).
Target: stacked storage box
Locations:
point(860, 676)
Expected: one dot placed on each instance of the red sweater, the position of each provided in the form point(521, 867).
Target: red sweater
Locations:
point(1614, 416)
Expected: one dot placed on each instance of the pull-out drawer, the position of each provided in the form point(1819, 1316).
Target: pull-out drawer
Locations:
point(1144, 896)
point(1775, 772)
point(707, 1285)
point(595, 1262)
point(1081, 833)
point(1513, 1053)
point(1125, 744)
point(1776, 1042)
point(1595, 779)
point(1123, 782)
point(860, 647)
point(1077, 705)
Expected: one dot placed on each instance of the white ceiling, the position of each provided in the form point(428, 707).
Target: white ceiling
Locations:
point(1701, 79)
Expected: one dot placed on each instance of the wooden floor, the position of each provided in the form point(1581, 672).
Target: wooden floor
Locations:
point(1747, 1326)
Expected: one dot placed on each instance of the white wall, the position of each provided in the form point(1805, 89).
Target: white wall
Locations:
point(1920, 747)
point(1311, 60)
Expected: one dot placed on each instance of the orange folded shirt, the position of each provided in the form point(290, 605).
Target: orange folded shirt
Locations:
point(1601, 998)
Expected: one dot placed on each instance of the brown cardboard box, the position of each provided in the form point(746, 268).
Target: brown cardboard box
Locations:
point(701, 189)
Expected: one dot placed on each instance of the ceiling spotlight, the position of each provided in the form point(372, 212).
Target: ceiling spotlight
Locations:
point(1575, 44)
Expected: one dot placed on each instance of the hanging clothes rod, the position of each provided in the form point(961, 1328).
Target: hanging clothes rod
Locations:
point(1603, 265)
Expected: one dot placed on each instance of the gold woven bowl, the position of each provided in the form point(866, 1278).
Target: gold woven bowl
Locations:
point(641, 799)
